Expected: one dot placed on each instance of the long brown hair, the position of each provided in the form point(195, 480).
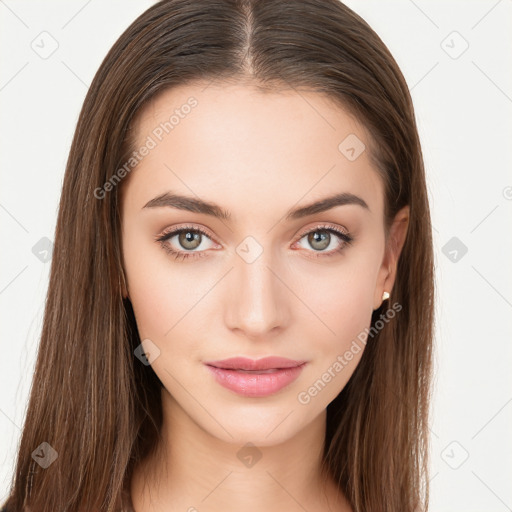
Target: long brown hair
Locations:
point(91, 400)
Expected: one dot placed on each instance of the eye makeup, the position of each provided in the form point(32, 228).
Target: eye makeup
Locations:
point(164, 239)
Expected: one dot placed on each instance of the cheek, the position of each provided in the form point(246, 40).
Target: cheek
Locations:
point(166, 298)
point(336, 337)
point(340, 297)
point(149, 286)
point(341, 306)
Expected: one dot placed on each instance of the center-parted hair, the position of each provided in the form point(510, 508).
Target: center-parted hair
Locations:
point(91, 399)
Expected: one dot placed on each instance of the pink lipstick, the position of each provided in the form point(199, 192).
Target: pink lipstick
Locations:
point(255, 378)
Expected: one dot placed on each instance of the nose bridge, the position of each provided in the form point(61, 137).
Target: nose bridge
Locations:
point(257, 303)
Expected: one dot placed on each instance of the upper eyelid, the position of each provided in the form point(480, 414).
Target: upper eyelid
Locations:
point(176, 230)
point(324, 226)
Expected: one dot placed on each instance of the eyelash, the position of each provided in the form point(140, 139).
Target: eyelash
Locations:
point(184, 255)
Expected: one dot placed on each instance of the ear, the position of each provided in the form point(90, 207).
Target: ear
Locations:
point(387, 272)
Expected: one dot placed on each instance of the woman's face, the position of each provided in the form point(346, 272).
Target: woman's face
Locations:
point(259, 281)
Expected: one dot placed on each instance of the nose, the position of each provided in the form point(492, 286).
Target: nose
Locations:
point(256, 305)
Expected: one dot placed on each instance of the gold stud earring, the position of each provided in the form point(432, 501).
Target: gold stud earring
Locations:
point(385, 296)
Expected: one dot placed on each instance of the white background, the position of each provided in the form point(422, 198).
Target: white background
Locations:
point(463, 107)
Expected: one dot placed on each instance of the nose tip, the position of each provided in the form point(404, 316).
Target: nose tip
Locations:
point(256, 302)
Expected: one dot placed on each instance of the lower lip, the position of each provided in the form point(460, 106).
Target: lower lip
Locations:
point(255, 384)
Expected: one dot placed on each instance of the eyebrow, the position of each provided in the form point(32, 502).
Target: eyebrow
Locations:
point(196, 205)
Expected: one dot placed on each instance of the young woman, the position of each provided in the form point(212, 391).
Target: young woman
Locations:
point(240, 307)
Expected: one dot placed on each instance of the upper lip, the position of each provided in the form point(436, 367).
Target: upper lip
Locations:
point(266, 363)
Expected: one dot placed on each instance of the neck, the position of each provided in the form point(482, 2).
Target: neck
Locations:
point(195, 471)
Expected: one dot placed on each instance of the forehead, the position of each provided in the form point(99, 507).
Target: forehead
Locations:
point(239, 146)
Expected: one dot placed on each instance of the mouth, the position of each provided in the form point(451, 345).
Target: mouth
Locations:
point(271, 370)
point(265, 363)
point(255, 378)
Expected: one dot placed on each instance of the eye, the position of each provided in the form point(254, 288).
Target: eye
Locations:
point(320, 238)
point(188, 238)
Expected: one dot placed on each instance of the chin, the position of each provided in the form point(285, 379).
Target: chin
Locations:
point(262, 425)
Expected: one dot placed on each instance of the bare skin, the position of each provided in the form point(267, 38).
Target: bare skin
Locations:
point(258, 156)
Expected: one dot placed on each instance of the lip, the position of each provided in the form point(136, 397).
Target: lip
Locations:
point(255, 378)
point(265, 363)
